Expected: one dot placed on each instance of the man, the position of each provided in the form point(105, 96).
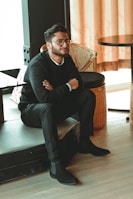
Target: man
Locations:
point(54, 91)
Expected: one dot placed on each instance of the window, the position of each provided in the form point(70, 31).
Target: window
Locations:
point(11, 34)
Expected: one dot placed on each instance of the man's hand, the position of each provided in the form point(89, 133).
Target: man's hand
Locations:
point(74, 83)
point(47, 85)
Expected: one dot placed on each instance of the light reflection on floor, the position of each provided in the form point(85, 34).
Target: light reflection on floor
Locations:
point(119, 100)
point(118, 85)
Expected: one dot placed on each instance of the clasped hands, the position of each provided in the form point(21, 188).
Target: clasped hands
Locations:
point(72, 82)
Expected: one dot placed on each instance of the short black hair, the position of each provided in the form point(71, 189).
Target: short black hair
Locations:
point(49, 33)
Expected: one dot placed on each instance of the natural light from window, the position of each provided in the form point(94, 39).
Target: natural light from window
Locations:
point(117, 80)
point(11, 34)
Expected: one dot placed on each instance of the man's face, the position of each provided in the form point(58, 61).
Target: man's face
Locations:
point(60, 44)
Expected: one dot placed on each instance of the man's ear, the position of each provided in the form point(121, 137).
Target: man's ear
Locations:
point(48, 44)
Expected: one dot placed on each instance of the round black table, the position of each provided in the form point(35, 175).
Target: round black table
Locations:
point(119, 41)
point(122, 41)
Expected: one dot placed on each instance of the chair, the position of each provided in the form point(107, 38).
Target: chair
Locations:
point(83, 57)
point(85, 61)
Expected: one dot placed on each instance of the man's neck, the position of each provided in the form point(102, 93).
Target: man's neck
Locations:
point(56, 58)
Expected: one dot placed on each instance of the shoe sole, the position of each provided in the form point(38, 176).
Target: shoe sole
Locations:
point(67, 183)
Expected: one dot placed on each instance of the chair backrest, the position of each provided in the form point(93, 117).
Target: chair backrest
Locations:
point(83, 57)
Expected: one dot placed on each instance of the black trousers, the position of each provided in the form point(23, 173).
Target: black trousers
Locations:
point(48, 115)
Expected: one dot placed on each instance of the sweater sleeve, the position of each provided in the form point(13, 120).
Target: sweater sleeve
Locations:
point(42, 94)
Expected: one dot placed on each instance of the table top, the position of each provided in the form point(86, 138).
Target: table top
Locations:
point(117, 40)
point(7, 81)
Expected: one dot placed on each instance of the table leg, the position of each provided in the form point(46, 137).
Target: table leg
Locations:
point(131, 94)
point(1, 108)
point(132, 64)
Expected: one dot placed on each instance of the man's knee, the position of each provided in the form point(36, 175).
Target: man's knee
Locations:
point(46, 107)
point(89, 95)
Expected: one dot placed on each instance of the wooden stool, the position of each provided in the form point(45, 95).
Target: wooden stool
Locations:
point(95, 82)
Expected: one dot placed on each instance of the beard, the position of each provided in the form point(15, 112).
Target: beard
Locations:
point(62, 53)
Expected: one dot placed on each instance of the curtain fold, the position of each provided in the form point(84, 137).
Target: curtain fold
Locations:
point(93, 19)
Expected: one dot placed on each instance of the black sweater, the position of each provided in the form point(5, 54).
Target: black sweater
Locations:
point(41, 68)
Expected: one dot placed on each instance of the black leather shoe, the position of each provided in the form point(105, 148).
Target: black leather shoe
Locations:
point(93, 149)
point(57, 171)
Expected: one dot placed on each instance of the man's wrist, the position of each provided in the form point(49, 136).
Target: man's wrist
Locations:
point(69, 86)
